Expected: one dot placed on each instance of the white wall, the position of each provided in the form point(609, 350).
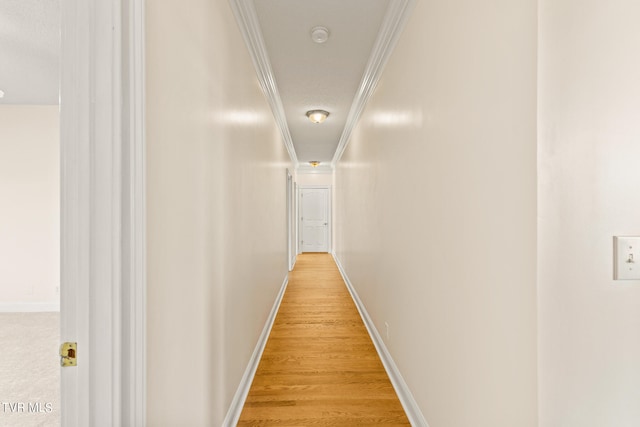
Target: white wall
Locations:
point(314, 178)
point(436, 211)
point(29, 207)
point(589, 182)
point(217, 249)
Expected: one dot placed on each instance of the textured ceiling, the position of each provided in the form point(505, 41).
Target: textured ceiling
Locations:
point(318, 76)
point(29, 51)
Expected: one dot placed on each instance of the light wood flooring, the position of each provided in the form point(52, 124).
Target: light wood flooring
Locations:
point(319, 367)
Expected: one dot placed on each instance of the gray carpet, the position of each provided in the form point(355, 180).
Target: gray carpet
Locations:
point(29, 369)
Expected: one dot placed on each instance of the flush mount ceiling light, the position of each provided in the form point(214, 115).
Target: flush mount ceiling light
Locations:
point(317, 116)
point(314, 163)
point(1, 94)
point(319, 34)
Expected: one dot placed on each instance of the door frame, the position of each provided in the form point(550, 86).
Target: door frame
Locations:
point(296, 210)
point(292, 250)
point(329, 214)
point(102, 211)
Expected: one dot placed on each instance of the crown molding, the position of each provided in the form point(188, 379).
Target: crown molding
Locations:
point(394, 22)
point(247, 19)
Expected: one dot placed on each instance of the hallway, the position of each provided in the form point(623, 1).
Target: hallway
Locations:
point(474, 200)
point(319, 366)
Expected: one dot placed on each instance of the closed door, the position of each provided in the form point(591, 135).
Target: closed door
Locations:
point(314, 220)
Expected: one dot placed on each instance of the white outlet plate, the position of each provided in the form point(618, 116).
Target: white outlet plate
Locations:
point(626, 259)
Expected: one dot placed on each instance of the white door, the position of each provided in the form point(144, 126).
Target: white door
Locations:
point(314, 219)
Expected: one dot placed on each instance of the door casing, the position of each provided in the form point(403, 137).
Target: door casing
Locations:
point(102, 211)
point(291, 228)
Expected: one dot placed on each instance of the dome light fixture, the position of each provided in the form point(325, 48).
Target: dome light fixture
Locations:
point(317, 116)
point(319, 34)
point(314, 163)
point(1, 94)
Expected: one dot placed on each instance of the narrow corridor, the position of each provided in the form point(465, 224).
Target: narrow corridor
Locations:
point(319, 366)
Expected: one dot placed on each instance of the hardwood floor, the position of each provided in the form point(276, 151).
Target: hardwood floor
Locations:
point(319, 367)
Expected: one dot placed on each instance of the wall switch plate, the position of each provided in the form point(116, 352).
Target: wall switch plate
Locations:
point(626, 259)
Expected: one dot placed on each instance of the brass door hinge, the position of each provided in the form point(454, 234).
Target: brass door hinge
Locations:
point(68, 354)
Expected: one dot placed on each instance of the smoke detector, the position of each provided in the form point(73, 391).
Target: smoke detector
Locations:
point(319, 34)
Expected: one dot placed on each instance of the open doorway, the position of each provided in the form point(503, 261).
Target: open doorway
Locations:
point(30, 213)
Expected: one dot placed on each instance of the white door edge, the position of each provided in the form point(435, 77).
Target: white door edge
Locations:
point(134, 255)
point(102, 211)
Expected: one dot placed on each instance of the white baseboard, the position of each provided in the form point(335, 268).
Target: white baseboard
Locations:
point(233, 414)
point(404, 394)
point(29, 307)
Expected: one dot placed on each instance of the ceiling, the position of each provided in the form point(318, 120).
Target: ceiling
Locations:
point(29, 42)
point(338, 76)
point(323, 76)
point(297, 74)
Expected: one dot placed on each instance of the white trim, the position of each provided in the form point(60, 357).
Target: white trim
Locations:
point(291, 235)
point(296, 213)
point(247, 19)
point(134, 217)
point(102, 211)
point(29, 307)
point(329, 215)
point(397, 15)
point(404, 394)
point(233, 414)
